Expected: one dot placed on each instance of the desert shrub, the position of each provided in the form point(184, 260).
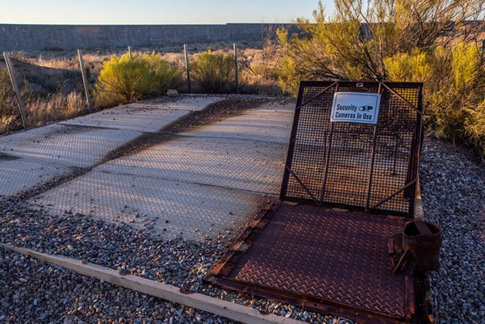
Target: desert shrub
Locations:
point(408, 67)
point(258, 69)
point(456, 95)
point(214, 73)
point(399, 41)
point(131, 78)
point(455, 89)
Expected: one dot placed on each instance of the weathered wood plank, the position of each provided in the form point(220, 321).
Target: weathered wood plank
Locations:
point(154, 288)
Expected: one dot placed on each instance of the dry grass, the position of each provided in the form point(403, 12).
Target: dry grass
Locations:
point(51, 83)
point(55, 107)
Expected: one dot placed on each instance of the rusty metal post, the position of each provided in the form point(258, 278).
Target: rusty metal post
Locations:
point(372, 161)
point(395, 155)
point(187, 67)
point(85, 80)
point(327, 156)
point(11, 73)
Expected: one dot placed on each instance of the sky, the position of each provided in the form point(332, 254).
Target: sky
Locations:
point(139, 12)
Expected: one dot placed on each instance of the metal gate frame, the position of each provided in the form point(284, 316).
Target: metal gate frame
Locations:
point(408, 189)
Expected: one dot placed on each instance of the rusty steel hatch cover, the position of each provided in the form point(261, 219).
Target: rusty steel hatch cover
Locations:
point(348, 186)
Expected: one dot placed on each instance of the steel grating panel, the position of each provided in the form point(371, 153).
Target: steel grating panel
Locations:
point(64, 145)
point(317, 256)
point(246, 165)
point(337, 164)
point(161, 207)
point(265, 124)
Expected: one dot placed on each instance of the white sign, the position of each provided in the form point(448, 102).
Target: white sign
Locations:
point(355, 107)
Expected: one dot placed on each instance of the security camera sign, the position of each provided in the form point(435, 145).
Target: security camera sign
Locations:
point(355, 107)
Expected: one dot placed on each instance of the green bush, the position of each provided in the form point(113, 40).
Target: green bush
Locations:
point(214, 73)
point(131, 78)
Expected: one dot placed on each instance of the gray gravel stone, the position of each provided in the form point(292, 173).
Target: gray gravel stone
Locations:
point(31, 291)
point(453, 189)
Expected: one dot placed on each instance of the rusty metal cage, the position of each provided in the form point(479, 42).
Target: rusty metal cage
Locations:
point(363, 167)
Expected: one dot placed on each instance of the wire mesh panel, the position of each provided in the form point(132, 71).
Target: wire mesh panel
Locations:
point(369, 167)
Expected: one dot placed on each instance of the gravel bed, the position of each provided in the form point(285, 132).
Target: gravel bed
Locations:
point(453, 189)
point(32, 291)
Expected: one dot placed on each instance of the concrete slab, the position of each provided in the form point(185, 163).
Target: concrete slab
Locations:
point(19, 175)
point(230, 163)
point(66, 145)
point(187, 102)
point(144, 117)
point(163, 207)
point(268, 123)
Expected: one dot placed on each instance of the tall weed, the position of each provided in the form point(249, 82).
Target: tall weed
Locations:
point(57, 106)
point(9, 115)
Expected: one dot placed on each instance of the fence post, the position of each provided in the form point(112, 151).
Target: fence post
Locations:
point(187, 67)
point(237, 76)
point(85, 81)
point(129, 51)
point(15, 88)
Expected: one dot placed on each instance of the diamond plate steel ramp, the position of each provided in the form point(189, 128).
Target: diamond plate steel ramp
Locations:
point(19, 175)
point(323, 260)
point(269, 123)
point(164, 207)
point(144, 117)
point(66, 145)
point(246, 165)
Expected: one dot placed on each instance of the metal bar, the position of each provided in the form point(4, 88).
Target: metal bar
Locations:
point(187, 67)
point(318, 305)
point(291, 145)
point(395, 155)
point(372, 159)
point(327, 155)
point(129, 52)
point(416, 149)
point(303, 186)
point(316, 96)
point(327, 161)
point(85, 80)
point(237, 74)
point(402, 98)
point(11, 73)
point(410, 297)
point(393, 195)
